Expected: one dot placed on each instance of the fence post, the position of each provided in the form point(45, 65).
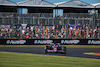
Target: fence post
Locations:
point(23, 20)
point(11, 20)
point(67, 22)
point(76, 21)
point(48, 21)
point(63, 21)
point(52, 21)
point(2, 19)
point(65, 32)
point(33, 20)
point(83, 22)
point(38, 21)
point(18, 20)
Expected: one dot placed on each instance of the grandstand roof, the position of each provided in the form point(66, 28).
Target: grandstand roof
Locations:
point(7, 3)
point(35, 3)
point(60, 3)
point(75, 4)
point(42, 3)
point(96, 5)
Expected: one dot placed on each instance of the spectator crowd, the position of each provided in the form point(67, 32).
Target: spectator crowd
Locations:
point(51, 31)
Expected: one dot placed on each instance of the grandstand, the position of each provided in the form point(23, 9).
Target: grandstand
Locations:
point(79, 20)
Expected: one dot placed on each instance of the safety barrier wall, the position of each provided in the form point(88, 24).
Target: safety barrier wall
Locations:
point(49, 41)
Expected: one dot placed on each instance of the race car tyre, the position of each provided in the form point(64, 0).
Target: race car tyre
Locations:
point(45, 49)
point(64, 48)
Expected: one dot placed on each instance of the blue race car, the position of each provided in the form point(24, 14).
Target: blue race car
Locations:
point(55, 48)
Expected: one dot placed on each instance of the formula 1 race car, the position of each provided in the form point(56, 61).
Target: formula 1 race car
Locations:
point(55, 48)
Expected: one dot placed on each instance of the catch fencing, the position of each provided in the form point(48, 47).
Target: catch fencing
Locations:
point(48, 18)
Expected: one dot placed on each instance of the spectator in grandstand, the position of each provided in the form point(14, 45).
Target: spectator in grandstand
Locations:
point(49, 32)
point(95, 31)
point(90, 33)
point(98, 32)
point(23, 31)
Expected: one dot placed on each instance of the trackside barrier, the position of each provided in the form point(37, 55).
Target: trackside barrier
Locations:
point(48, 41)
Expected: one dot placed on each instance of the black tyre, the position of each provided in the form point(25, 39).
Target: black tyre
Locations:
point(45, 49)
point(64, 50)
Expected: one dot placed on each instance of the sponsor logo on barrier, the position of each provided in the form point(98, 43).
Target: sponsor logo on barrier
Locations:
point(15, 41)
point(70, 41)
point(93, 42)
point(43, 41)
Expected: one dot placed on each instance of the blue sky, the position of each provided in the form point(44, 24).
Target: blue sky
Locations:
point(56, 1)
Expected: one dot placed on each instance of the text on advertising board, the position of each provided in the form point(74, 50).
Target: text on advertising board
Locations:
point(43, 41)
point(70, 41)
point(15, 41)
point(93, 42)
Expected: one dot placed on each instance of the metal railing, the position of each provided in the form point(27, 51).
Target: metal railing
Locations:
point(10, 14)
point(77, 15)
point(47, 18)
point(46, 21)
point(48, 14)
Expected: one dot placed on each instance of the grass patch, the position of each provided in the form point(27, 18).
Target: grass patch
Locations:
point(93, 46)
point(8, 59)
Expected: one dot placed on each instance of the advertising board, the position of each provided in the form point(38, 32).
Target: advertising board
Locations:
point(49, 41)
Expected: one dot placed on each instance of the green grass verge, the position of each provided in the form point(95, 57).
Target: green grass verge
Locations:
point(8, 59)
point(95, 46)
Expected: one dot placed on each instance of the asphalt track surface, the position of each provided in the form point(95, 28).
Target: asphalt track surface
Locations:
point(70, 52)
